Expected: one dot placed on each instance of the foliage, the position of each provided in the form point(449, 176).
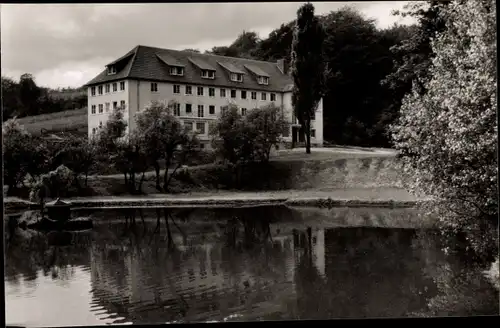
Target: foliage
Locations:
point(413, 56)
point(16, 144)
point(266, 126)
point(57, 183)
point(227, 134)
point(162, 136)
point(447, 136)
point(79, 155)
point(23, 154)
point(307, 67)
point(25, 98)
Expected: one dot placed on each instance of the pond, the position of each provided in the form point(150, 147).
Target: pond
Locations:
point(240, 264)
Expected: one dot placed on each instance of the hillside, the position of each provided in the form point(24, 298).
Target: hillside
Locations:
point(70, 120)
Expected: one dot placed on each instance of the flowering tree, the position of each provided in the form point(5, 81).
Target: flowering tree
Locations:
point(448, 136)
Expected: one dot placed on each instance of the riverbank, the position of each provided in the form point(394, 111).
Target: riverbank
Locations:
point(378, 197)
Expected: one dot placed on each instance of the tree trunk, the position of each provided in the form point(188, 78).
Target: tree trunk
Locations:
point(308, 135)
point(157, 171)
point(165, 176)
point(140, 183)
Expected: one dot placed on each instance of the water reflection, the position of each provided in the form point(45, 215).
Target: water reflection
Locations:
point(163, 265)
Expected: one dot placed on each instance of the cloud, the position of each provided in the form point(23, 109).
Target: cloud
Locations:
point(68, 44)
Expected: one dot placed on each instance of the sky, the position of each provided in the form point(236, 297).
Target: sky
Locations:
point(68, 44)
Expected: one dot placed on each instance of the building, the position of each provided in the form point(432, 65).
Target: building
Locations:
point(201, 85)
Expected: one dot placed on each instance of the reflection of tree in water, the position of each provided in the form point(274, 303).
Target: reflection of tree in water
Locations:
point(369, 273)
point(27, 252)
point(462, 289)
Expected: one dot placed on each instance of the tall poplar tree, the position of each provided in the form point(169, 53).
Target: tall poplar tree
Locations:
point(308, 67)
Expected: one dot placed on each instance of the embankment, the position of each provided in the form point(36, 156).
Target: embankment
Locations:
point(322, 175)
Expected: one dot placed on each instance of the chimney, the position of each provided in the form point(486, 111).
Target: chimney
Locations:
point(283, 66)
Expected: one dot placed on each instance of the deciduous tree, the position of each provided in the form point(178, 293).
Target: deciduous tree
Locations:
point(448, 135)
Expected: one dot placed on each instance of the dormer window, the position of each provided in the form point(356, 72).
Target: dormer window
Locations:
point(236, 77)
point(263, 80)
point(207, 74)
point(111, 70)
point(178, 71)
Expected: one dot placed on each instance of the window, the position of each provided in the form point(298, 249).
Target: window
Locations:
point(206, 74)
point(233, 93)
point(115, 87)
point(107, 107)
point(94, 130)
point(122, 103)
point(188, 108)
point(200, 127)
point(101, 108)
point(115, 104)
point(211, 109)
point(313, 133)
point(243, 94)
point(107, 88)
point(254, 95)
point(243, 111)
point(211, 92)
point(111, 70)
point(223, 109)
point(189, 126)
point(189, 90)
point(177, 88)
point(263, 80)
point(263, 96)
point(202, 146)
point(313, 116)
point(100, 125)
point(223, 93)
point(200, 111)
point(154, 87)
point(92, 111)
point(122, 86)
point(179, 71)
point(99, 90)
point(92, 91)
point(236, 77)
point(273, 97)
point(177, 109)
point(200, 91)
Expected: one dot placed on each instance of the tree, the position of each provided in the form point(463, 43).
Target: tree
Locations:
point(29, 93)
point(192, 50)
point(447, 136)
point(16, 149)
point(307, 67)
point(79, 156)
point(228, 135)
point(278, 44)
point(413, 56)
point(110, 140)
point(265, 127)
point(10, 98)
point(164, 137)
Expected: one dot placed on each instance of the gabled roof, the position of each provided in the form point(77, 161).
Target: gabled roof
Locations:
point(148, 63)
point(231, 68)
point(256, 70)
point(201, 64)
point(170, 61)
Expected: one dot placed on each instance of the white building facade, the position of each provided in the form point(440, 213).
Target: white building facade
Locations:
point(201, 85)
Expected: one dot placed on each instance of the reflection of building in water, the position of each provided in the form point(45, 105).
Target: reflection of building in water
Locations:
point(369, 272)
point(199, 282)
point(317, 244)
